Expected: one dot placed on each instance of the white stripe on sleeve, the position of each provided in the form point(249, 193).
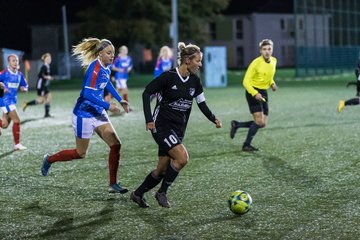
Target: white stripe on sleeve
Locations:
point(200, 98)
point(91, 88)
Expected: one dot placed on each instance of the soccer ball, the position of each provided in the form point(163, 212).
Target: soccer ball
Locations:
point(240, 202)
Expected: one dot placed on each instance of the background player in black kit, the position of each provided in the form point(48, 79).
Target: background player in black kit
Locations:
point(176, 89)
point(42, 86)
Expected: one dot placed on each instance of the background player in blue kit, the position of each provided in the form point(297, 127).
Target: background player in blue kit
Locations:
point(89, 114)
point(11, 80)
point(122, 66)
point(177, 88)
point(164, 61)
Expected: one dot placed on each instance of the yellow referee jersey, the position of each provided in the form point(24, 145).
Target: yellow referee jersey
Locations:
point(259, 74)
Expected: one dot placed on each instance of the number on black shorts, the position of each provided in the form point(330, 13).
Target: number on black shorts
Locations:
point(172, 139)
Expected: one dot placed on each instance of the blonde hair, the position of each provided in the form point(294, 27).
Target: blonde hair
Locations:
point(45, 55)
point(164, 50)
point(187, 51)
point(88, 50)
point(265, 42)
point(123, 47)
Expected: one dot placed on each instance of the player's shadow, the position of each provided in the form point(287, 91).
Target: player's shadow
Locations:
point(297, 177)
point(309, 125)
point(66, 222)
point(31, 120)
point(6, 154)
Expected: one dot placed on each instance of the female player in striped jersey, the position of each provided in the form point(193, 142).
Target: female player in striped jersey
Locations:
point(164, 61)
point(89, 114)
point(258, 78)
point(42, 86)
point(177, 87)
point(122, 66)
point(11, 80)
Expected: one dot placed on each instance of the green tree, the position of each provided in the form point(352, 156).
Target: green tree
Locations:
point(147, 21)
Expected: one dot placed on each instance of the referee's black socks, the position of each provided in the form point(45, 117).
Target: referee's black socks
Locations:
point(251, 133)
point(243, 124)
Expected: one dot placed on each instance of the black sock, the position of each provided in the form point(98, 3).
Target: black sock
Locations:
point(47, 109)
point(149, 183)
point(243, 124)
point(353, 101)
point(32, 102)
point(169, 178)
point(251, 133)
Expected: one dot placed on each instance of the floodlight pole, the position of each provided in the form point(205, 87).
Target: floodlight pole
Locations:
point(66, 43)
point(174, 29)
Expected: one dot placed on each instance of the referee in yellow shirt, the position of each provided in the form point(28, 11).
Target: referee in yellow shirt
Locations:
point(258, 78)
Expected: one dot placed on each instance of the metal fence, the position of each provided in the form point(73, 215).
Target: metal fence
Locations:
point(327, 36)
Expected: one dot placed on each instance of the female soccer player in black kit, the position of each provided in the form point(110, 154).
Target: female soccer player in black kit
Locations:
point(177, 88)
point(42, 86)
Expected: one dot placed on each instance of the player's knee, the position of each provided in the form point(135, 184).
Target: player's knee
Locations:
point(183, 159)
point(261, 123)
point(4, 124)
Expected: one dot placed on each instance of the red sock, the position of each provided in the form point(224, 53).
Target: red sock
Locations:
point(0, 123)
point(16, 132)
point(114, 158)
point(125, 97)
point(64, 155)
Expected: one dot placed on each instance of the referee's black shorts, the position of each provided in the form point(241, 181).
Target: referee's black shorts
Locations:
point(258, 106)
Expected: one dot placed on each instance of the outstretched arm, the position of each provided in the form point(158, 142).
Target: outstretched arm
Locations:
point(200, 99)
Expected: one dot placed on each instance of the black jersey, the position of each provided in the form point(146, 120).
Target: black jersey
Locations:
point(42, 82)
point(175, 98)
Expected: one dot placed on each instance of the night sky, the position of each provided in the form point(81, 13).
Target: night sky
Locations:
point(17, 16)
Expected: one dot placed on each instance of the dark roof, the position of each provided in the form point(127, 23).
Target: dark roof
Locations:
point(259, 6)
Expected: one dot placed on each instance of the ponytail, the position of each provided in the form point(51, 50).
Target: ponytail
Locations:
point(88, 50)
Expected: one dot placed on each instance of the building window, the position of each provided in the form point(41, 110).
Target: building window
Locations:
point(212, 31)
point(239, 29)
point(240, 56)
point(300, 24)
point(282, 24)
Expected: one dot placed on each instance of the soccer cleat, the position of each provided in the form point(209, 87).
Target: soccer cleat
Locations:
point(233, 129)
point(47, 116)
point(45, 165)
point(341, 106)
point(19, 147)
point(25, 105)
point(162, 199)
point(117, 188)
point(249, 148)
point(141, 201)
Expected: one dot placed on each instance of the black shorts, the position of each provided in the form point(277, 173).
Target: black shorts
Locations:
point(258, 106)
point(167, 138)
point(42, 91)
